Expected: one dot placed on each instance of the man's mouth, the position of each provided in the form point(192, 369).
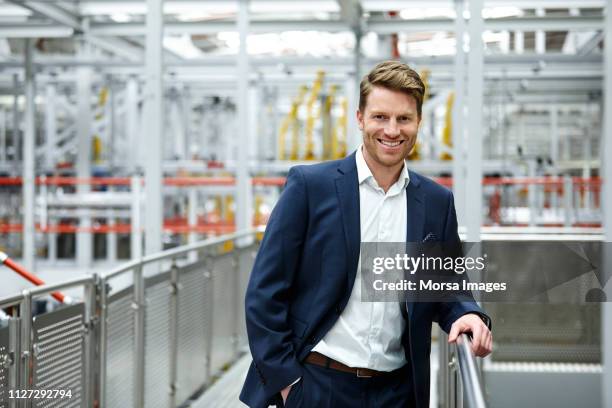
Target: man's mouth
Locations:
point(389, 143)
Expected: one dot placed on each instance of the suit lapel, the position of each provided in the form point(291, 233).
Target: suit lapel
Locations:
point(415, 210)
point(347, 189)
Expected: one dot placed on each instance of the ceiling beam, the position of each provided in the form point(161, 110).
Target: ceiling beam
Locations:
point(35, 30)
point(372, 25)
point(52, 12)
point(116, 46)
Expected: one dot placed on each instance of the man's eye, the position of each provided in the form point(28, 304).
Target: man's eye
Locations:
point(379, 117)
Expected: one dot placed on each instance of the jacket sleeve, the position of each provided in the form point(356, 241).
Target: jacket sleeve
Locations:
point(267, 295)
point(449, 312)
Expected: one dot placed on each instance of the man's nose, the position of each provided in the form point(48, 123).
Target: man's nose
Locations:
point(392, 129)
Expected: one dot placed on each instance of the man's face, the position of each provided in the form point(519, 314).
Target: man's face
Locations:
point(389, 124)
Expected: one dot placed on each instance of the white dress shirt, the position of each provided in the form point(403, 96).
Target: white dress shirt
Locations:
point(368, 334)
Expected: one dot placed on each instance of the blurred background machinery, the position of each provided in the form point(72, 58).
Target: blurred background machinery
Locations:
point(127, 128)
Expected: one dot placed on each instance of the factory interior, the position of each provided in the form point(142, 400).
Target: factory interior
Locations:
point(144, 144)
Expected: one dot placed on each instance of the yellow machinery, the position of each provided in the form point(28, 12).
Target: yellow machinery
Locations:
point(312, 116)
point(339, 133)
point(333, 131)
point(228, 218)
point(291, 120)
point(259, 217)
point(415, 153)
point(327, 123)
point(97, 141)
point(447, 132)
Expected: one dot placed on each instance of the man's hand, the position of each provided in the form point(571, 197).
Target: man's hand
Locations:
point(285, 392)
point(482, 340)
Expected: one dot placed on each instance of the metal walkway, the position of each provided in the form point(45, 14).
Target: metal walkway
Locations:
point(224, 392)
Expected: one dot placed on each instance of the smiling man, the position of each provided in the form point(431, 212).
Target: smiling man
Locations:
point(314, 342)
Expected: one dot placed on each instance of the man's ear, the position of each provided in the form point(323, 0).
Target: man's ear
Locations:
point(359, 119)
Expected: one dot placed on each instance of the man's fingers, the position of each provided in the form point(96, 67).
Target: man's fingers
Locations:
point(476, 339)
point(485, 346)
point(454, 332)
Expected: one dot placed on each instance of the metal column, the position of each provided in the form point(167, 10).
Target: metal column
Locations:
point(458, 117)
point(474, 139)
point(16, 125)
point(353, 137)
point(136, 234)
point(554, 136)
point(154, 125)
point(83, 164)
point(186, 101)
point(111, 237)
point(540, 35)
point(3, 156)
point(50, 126)
point(177, 125)
point(554, 150)
point(606, 206)
point(519, 42)
point(243, 186)
point(29, 251)
point(131, 121)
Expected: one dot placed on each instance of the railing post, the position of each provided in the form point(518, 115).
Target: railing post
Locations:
point(91, 329)
point(174, 316)
point(443, 370)
point(235, 296)
point(25, 314)
point(453, 385)
point(103, 341)
point(139, 336)
point(14, 355)
point(208, 275)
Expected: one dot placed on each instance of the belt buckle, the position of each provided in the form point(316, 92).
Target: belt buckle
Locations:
point(362, 375)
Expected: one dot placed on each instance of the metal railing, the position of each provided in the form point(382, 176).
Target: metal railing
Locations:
point(459, 377)
point(152, 332)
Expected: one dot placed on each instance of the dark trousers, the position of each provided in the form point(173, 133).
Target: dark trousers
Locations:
point(322, 387)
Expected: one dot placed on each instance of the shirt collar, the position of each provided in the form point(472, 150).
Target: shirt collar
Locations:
point(364, 172)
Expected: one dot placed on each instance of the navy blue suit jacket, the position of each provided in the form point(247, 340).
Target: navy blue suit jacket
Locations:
point(305, 269)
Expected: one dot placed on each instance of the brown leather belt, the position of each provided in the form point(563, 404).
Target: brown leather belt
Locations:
point(324, 361)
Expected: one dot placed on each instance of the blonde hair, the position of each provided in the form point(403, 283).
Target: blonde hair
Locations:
point(396, 76)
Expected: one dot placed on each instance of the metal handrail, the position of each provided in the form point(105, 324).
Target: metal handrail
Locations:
point(183, 249)
point(470, 377)
point(95, 314)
